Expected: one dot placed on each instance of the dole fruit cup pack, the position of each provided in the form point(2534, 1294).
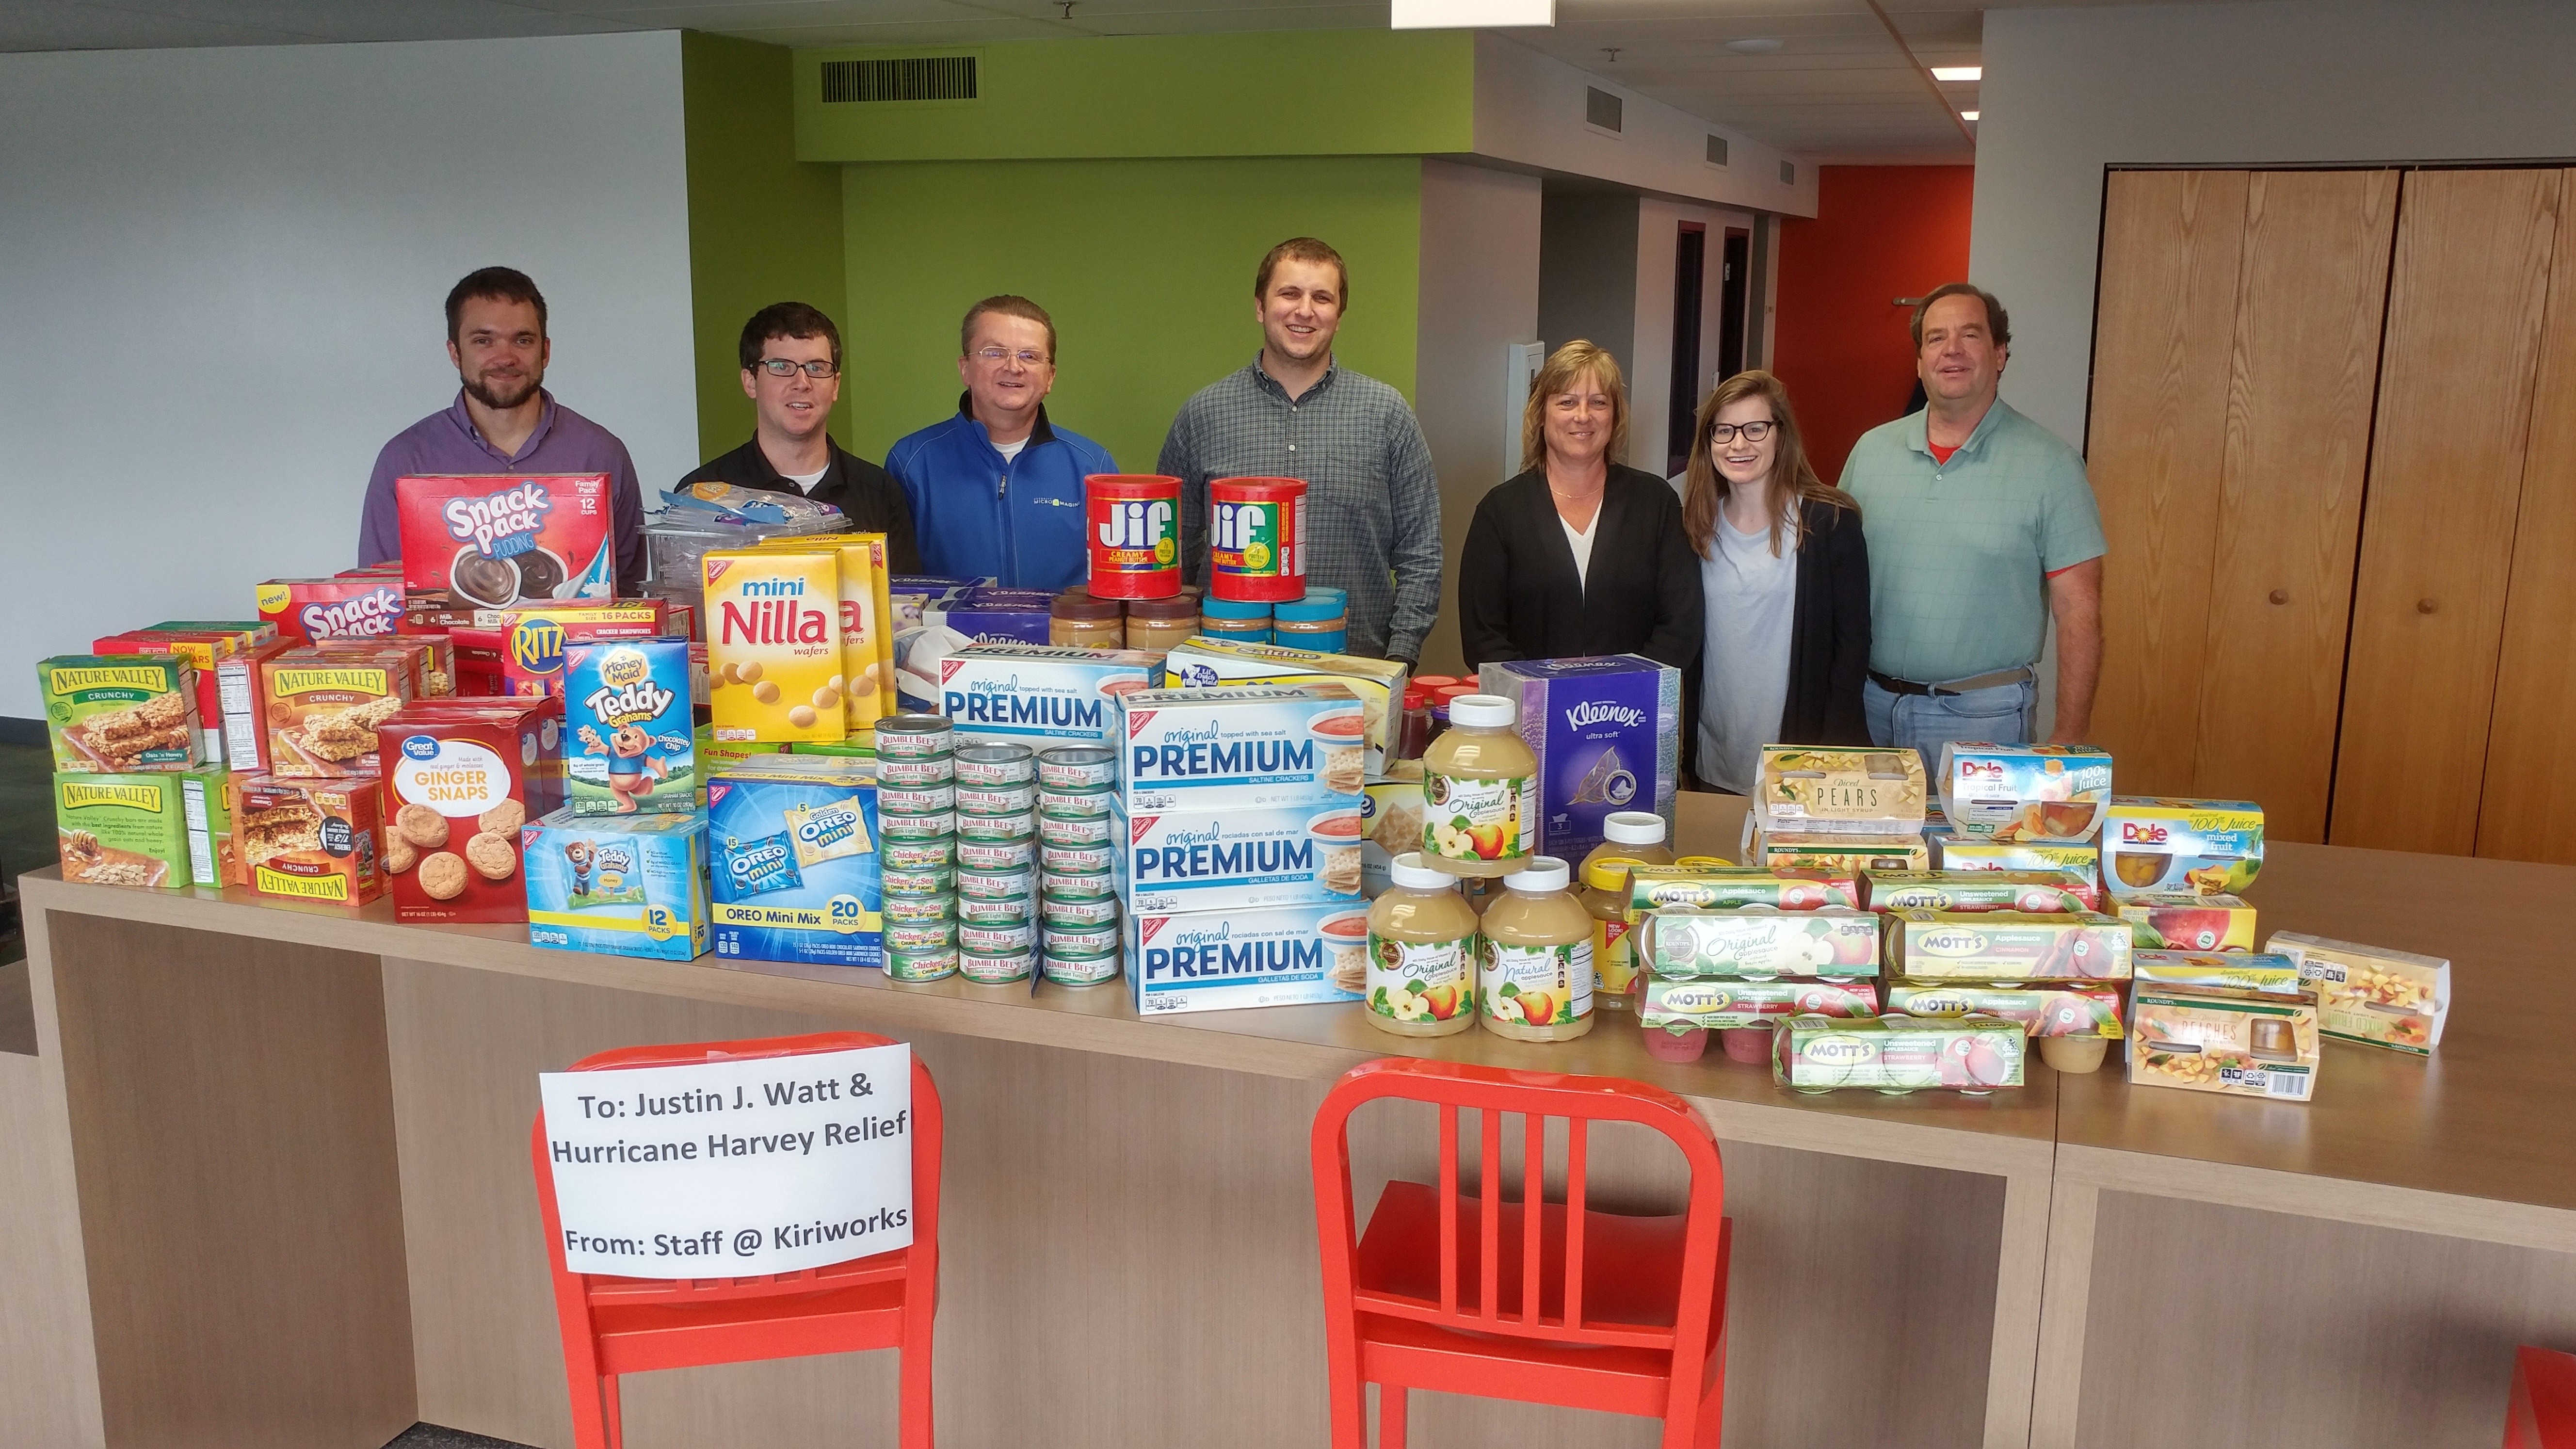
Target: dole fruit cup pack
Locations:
point(1607, 734)
point(460, 778)
point(118, 713)
point(2007, 946)
point(633, 885)
point(1813, 788)
point(1982, 890)
point(1199, 662)
point(792, 852)
point(310, 840)
point(2211, 1039)
point(121, 829)
point(2025, 792)
point(358, 607)
point(1898, 1053)
point(1731, 887)
point(2208, 847)
point(1232, 860)
point(775, 667)
point(1952, 851)
point(1759, 942)
point(628, 742)
point(2183, 921)
point(323, 709)
point(2063, 1009)
point(499, 539)
point(1245, 747)
point(2370, 994)
point(1038, 695)
point(2230, 970)
point(1279, 956)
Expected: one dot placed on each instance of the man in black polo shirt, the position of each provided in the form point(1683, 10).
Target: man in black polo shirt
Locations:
point(791, 371)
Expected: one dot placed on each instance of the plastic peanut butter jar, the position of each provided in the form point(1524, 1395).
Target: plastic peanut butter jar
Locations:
point(1422, 953)
point(1480, 792)
point(1535, 980)
point(1629, 838)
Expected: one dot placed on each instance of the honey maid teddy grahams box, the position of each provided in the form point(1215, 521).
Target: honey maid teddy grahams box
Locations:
point(633, 885)
point(1607, 733)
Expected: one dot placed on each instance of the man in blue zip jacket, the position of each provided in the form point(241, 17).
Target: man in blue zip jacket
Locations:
point(996, 491)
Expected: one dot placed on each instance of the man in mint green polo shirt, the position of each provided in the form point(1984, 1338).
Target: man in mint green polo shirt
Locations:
point(1981, 528)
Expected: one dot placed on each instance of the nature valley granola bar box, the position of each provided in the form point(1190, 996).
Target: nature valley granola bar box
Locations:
point(1607, 733)
point(323, 709)
point(310, 840)
point(204, 650)
point(121, 829)
point(115, 713)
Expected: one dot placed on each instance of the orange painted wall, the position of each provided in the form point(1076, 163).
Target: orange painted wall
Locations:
point(1880, 232)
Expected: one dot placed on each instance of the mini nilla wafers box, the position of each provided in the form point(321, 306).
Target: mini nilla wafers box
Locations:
point(866, 615)
point(775, 667)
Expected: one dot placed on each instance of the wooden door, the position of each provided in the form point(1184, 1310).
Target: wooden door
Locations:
point(2310, 296)
point(2528, 809)
point(2154, 448)
point(2466, 295)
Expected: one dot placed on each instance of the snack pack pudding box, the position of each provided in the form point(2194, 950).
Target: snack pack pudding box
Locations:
point(1214, 960)
point(1972, 1054)
point(2008, 946)
point(2025, 792)
point(500, 539)
point(2209, 847)
point(1681, 943)
point(2211, 1039)
point(2183, 921)
point(1230, 860)
point(1607, 734)
point(336, 608)
point(1982, 890)
point(792, 852)
point(631, 886)
point(1254, 747)
point(460, 780)
point(2370, 994)
point(1811, 789)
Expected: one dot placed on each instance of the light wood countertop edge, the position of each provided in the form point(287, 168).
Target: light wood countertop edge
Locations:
point(2300, 1194)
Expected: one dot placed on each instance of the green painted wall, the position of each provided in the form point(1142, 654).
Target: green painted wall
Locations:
point(1146, 266)
point(763, 226)
point(1305, 93)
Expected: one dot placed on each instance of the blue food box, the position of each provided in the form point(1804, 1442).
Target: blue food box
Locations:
point(628, 742)
point(1253, 747)
point(1173, 861)
point(1607, 733)
point(628, 886)
point(792, 855)
point(1215, 960)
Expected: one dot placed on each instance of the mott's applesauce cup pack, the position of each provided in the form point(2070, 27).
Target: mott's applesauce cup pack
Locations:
point(1607, 734)
point(1684, 1005)
point(634, 886)
point(1760, 942)
point(1037, 694)
point(1898, 1053)
point(122, 829)
point(499, 539)
point(2370, 994)
point(2208, 847)
point(793, 852)
point(2064, 1009)
point(115, 713)
point(1379, 683)
point(1212, 961)
point(1733, 887)
point(2182, 921)
point(628, 743)
point(2007, 945)
point(2025, 792)
point(1806, 788)
point(1250, 747)
point(774, 662)
point(1982, 890)
point(1230, 860)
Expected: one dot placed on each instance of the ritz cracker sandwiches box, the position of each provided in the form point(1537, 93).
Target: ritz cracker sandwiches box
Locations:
point(1212, 961)
point(627, 739)
point(1607, 734)
point(632, 885)
point(1038, 695)
point(119, 713)
point(775, 666)
point(792, 852)
point(1248, 747)
point(1228, 860)
point(499, 539)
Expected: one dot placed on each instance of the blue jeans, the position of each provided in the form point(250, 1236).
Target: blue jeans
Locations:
point(1925, 722)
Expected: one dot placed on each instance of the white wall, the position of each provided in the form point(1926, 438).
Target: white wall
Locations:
point(1480, 230)
point(221, 273)
point(2068, 92)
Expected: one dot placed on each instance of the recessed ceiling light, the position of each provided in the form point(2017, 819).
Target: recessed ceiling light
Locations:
point(1967, 115)
point(1958, 72)
point(1753, 45)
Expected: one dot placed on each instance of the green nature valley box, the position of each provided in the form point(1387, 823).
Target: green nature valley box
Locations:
point(109, 713)
point(122, 829)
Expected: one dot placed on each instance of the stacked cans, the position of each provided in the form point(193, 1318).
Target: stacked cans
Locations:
point(997, 863)
point(1077, 794)
point(917, 816)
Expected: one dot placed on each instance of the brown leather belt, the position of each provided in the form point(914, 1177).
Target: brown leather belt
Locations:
point(1996, 680)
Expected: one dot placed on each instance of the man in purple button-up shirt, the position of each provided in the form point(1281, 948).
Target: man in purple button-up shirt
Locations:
point(503, 421)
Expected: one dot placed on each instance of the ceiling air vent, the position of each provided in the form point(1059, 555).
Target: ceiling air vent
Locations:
point(1600, 108)
point(1788, 173)
point(1717, 150)
point(914, 78)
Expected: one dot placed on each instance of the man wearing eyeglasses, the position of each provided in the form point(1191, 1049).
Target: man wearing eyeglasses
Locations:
point(996, 489)
point(791, 371)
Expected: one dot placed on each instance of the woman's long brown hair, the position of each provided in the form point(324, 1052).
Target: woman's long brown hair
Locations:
point(1704, 492)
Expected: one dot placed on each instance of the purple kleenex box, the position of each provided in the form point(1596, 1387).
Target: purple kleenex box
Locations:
point(1607, 733)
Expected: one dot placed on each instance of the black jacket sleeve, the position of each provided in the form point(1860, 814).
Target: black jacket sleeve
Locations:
point(1485, 589)
point(1847, 555)
point(1679, 625)
point(903, 550)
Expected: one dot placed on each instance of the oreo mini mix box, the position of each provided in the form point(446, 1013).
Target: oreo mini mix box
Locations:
point(498, 539)
point(792, 856)
point(1607, 733)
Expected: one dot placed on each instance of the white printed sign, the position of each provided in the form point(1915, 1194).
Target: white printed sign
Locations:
point(731, 1169)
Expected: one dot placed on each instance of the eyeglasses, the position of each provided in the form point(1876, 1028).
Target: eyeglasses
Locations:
point(783, 367)
point(1753, 432)
point(993, 356)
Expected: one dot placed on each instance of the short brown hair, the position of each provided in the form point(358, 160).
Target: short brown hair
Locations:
point(1565, 367)
point(787, 319)
point(1304, 249)
point(1704, 491)
point(1998, 326)
point(1007, 305)
point(493, 284)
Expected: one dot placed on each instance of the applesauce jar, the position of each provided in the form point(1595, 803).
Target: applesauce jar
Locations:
point(1534, 981)
point(1421, 953)
point(1480, 792)
point(1629, 838)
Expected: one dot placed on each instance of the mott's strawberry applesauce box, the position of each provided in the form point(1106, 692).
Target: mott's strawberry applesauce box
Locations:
point(2025, 792)
point(1685, 1004)
point(116, 713)
point(2067, 1009)
point(1227, 860)
point(2182, 921)
point(1279, 956)
point(1249, 747)
point(1731, 887)
point(2209, 847)
point(774, 662)
point(628, 744)
point(1812, 789)
point(2370, 994)
point(1038, 695)
point(2008, 945)
point(1758, 942)
point(792, 853)
point(1982, 890)
point(1379, 683)
point(2212, 1039)
point(631, 886)
point(335, 608)
point(1607, 733)
point(122, 829)
point(310, 840)
point(1898, 1053)
point(460, 779)
point(498, 539)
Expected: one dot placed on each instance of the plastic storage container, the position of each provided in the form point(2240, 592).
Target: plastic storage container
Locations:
point(1155, 625)
point(1315, 622)
point(1238, 620)
point(1078, 620)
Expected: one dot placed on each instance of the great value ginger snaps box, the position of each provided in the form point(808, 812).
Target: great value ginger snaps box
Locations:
point(460, 780)
point(498, 539)
point(1249, 747)
point(1213, 961)
point(1607, 733)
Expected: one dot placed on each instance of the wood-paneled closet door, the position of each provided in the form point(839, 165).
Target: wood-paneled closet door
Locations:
point(2467, 292)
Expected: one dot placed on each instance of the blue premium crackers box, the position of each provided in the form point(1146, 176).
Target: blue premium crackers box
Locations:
point(792, 852)
point(628, 745)
point(629, 887)
point(1607, 733)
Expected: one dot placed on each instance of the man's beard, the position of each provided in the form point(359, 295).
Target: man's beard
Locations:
point(480, 391)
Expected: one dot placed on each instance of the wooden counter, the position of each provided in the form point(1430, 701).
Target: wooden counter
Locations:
point(273, 1184)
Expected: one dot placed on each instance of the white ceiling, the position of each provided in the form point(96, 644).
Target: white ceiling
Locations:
point(1838, 88)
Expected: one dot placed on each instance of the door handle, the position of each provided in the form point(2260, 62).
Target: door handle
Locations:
point(2426, 606)
point(2280, 596)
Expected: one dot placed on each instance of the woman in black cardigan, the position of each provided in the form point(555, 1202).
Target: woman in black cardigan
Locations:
point(1786, 578)
point(1578, 555)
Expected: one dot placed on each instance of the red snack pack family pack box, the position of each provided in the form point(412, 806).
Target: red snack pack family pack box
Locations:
point(308, 840)
point(460, 778)
point(498, 539)
point(345, 608)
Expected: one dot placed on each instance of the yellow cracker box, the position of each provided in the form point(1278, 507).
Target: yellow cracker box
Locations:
point(774, 663)
point(2372, 995)
point(2208, 1039)
point(867, 634)
point(1201, 661)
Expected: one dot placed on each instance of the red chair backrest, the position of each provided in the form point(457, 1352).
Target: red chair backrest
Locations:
point(1538, 1097)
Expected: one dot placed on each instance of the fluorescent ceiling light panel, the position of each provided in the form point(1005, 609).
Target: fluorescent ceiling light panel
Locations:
point(1958, 72)
point(1967, 115)
point(1470, 14)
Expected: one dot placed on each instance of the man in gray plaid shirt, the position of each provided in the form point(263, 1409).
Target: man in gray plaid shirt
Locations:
point(1372, 501)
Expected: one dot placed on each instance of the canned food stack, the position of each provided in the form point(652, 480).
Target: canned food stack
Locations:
point(917, 815)
point(1078, 919)
point(997, 851)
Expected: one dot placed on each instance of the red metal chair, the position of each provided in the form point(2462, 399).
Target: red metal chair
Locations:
point(2543, 1415)
point(613, 1326)
point(1543, 1302)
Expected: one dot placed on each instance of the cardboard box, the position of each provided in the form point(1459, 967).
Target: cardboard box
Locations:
point(1682, 943)
point(2182, 921)
point(633, 886)
point(628, 741)
point(460, 781)
point(2209, 847)
point(118, 713)
point(792, 852)
point(522, 651)
point(241, 684)
point(1982, 890)
point(323, 710)
point(1898, 1053)
point(938, 625)
point(310, 840)
point(1256, 747)
point(1222, 860)
point(121, 829)
point(1684, 1005)
point(1213, 961)
point(867, 686)
point(1390, 824)
point(1199, 662)
point(2065, 1009)
point(203, 649)
point(252, 632)
point(1843, 854)
point(338, 608)
point(214, 860)
point(2025, 792)
point(2238, 1043)
point(1607, 733)
point(1809, 788)
point(499, 539)
point(2007, 946)
point(774, 644)
point(2370, 994)
point(1952, 851)
point(1734, 887)
point(2233, 970)
point(1036, 695)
